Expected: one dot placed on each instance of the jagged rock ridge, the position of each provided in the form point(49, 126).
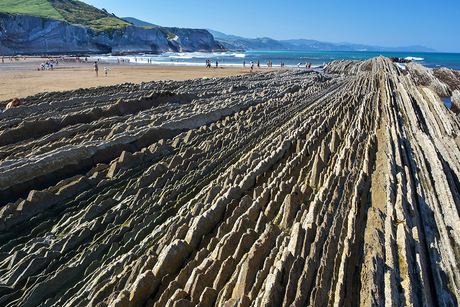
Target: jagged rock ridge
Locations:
point(287, 188)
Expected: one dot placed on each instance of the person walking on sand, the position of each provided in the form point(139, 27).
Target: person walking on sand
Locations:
point(96, 68)
point(258, 64)
point(244, 63)
point(105, 71)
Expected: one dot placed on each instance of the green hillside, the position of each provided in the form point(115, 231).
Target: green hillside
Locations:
point(264, 43)
point(71, 11)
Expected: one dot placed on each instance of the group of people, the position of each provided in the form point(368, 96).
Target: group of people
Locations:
point(307, 65)
point(270, 65)
point(96, 69)
point(252, 65)
point(208, 64)
point(48, 65)
point(11, 58)
point(14, 103)
point(122, 61)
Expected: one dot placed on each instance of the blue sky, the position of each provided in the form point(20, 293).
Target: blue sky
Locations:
point(391, 23)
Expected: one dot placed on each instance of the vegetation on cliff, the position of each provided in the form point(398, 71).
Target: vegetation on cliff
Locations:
point(71, 11)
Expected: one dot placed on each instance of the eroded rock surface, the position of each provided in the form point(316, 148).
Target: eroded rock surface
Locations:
point(455, 100)
point(287, 188)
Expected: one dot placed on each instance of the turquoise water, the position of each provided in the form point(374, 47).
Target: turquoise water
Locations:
point(290, 58)
point(447, 101)
point(430, 60)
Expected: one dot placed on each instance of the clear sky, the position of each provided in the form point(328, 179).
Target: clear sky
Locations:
point(392, 23)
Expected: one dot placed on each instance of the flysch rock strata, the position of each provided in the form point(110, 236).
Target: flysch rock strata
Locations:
point(287, 188)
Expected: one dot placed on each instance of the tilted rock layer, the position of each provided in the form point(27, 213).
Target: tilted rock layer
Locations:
point(287, 188)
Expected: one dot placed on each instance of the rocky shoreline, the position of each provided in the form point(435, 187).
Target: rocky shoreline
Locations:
point(286, 188)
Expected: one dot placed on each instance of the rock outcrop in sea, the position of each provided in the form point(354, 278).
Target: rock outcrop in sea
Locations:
point(287, 188)
point(24, 34)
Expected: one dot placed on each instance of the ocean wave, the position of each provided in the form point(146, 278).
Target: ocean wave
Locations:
point(411, 58)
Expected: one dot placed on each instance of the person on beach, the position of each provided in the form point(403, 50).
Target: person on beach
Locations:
point(244, 64)
point(306, 65)
point(14, 103)
point(258, 64)
point(105, 71)
point(96, 68)
point(217, 63)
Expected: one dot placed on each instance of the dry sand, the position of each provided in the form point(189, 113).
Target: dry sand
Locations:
point(21, 78)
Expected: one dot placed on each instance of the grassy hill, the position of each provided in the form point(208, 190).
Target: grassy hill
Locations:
point(71, 11)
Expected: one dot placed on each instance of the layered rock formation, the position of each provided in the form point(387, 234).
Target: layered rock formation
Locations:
point(426, 77)
point(23, 34)
point(455, 100)
point(443, 81)
point(286, 188)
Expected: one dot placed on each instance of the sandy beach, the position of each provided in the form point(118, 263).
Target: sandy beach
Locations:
point(21, 78)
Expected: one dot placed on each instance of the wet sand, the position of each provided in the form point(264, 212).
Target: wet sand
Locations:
point(21, 78)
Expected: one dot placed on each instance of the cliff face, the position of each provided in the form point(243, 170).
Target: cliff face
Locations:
point(22, 34)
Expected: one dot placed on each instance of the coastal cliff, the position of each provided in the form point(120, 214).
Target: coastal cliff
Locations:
point(24, 34)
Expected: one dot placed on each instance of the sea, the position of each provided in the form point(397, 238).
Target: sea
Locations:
point(291, 59)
